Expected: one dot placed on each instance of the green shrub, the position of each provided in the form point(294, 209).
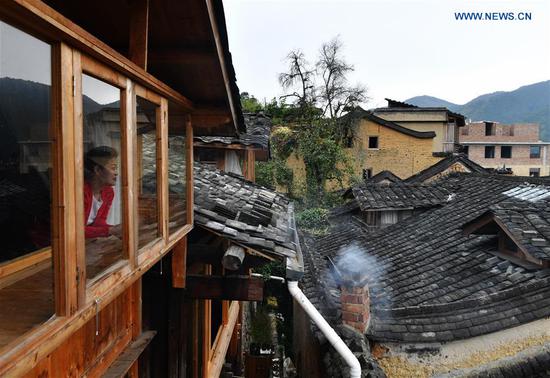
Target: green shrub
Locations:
point(315, 218)
point(265, 174)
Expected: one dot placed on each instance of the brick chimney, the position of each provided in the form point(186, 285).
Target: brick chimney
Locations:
point(354, 298)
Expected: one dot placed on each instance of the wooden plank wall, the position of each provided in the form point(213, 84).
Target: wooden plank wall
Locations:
point(85, 353)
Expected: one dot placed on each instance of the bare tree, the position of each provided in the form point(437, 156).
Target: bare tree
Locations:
point(336, 95)
point(299, 75)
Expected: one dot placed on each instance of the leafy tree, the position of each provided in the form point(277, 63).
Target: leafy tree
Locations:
point(250, 104)
point(320, 95)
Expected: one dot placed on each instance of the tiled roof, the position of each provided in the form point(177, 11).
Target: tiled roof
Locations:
point(428, 281)
point(398, 106)
point(399, 196)
point(258, 129)
point(444, 164)
point(528, 222)
point(384, 176)
point(248, 214)
point(232, 207)
point(359, 113)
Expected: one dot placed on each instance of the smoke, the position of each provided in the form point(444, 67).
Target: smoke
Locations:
point(353, 263)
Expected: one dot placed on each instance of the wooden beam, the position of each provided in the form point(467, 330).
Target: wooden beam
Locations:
point(130, 355)
point(210, 120)
point(139, 28)
point(222, 342)
point(185, 55)
point(233, 257)
point(24, 262)
point(223, 63)
point(240, 288)
point(44, 21)
point(179, 263)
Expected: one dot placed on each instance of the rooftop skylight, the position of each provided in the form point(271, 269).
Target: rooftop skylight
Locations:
point(531, 193)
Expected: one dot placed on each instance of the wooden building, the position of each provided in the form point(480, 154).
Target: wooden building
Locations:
point(237, 154)
point(94, 279)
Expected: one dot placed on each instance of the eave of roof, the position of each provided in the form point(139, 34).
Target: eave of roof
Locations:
point(363, 114)
point(247, 214)
point(442, 165)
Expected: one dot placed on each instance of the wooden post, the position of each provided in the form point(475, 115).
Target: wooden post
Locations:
point(162, 168)
point(195, 339)
point(78, 166)
point(179, 262)
point(139, 27)
point(207, 330)
point(128, 144)
point(250, 160)
point(189, 172)
point(63, 177)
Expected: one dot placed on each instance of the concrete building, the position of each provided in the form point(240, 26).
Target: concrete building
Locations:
point(440, 120)
point(516, 147)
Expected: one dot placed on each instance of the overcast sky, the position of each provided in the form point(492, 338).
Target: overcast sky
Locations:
point(400, 48)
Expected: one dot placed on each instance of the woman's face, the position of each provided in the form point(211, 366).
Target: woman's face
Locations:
point(108, 173)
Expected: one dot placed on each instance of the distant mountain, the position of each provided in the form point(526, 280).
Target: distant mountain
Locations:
point(431, 101)
point(530, 103)
point(25, 113)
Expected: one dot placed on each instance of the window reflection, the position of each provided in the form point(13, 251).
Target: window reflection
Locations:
point(146, 113)
point(102, 184)
point(177, 168)
point(26, 274)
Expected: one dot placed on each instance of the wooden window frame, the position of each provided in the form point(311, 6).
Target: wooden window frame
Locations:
point(189, 195)
point(74, 302)
point(161, 178)
point(84, 65)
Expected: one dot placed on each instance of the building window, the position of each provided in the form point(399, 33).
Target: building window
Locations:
point(464, 130)
point(506, 152)
point(489, 128)
point(373, 142)
point(26, 164)
point(147, 114)
point(534, 152)
point(489, 152)
point(534, 172)
point(466, 150)
point(102, 181)
point(367, 173)
point(177, 167)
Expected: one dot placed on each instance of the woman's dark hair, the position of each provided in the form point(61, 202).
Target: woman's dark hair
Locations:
point(97, 157)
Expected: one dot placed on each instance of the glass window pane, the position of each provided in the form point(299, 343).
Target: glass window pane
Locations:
point(147, 171)
point(177, 168)
point(26, 274)
point(102, 194)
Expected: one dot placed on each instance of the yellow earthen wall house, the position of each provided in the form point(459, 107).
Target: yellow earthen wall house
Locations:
point(444, 123)
point(400, 150)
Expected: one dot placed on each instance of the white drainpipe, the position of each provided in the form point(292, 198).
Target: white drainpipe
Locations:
point(330, 334)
